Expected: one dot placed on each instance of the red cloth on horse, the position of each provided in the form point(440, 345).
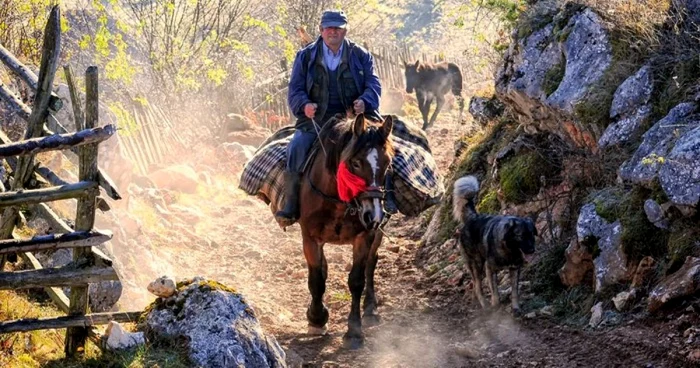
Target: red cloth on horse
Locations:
point(349, 184)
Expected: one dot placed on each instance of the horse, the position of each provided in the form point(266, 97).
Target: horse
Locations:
point(432, 82)
point(356, 151)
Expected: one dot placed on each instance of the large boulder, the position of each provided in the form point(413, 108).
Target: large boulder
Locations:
point(588, 54)
point(220, 328)
point(547, 74)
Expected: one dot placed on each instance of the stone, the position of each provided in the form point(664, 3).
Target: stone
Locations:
point(680, 173)
point(596, 315)
point(163, 287)
point(180, 178)
point(624, 300)
point(218, 325)
point(643, 167)
point(644, 272)
point(610, 267)
point(485, 109)
point(120, 339)
point(579, 261)
point(633, 94)
point(521, 78)
point(682, 283)
point(588, 55)
point(253, 136)
point(625, 129)
point(655, 214)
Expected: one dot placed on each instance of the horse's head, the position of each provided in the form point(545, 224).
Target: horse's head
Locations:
point(367, 156)
point(411, 74)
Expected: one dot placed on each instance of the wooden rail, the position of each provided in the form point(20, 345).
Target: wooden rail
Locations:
point(89, 265)
point(75, 239)
point(31, 324)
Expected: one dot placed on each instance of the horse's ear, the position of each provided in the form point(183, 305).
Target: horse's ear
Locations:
point(358, 127)
point(387, 126)
point(417, 63)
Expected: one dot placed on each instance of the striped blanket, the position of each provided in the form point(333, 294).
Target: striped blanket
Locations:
point(417, 182)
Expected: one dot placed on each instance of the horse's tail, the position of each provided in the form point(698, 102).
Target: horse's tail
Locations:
point(465, 190)
point(456, 73)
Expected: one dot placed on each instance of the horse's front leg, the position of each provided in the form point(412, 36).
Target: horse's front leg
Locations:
point(439, 101)
point(370, 317)
point(354, 338)
point(317, 313)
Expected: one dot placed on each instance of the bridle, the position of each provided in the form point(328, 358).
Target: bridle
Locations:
point(353, 207)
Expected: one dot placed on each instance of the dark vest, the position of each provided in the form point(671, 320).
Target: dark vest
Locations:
point(332, 96)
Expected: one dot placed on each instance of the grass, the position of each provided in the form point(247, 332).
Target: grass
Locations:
point(44, 348)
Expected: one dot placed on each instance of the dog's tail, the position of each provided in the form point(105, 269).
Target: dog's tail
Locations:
point(465, 190)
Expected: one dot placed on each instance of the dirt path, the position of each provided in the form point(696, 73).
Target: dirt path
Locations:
point(425, 323)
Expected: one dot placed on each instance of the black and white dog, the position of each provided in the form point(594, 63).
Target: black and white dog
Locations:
point(491, 243)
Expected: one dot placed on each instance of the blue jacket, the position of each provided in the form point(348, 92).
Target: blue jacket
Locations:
point(362, 69)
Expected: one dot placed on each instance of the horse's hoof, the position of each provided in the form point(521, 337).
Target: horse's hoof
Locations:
point(371, 319)
point(317, 331)
point(353, 342)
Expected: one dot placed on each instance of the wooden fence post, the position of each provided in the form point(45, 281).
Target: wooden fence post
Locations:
point(85, 218)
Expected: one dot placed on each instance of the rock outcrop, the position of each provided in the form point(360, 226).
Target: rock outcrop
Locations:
point(220, 328)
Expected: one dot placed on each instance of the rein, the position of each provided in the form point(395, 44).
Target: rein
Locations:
point(352, 208)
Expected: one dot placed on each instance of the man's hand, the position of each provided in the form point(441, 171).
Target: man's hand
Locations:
point(310, 110)
point(359, 106)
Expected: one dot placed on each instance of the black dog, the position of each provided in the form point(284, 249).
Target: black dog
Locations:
point(491, 243)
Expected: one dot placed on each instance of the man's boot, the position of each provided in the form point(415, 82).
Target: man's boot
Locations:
point(288, 215)
point(390, 206)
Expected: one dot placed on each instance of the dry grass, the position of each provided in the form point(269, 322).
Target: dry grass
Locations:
point(44, 348)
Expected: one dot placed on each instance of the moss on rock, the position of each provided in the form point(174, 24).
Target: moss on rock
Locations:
point(489, 203)
point(519, 177)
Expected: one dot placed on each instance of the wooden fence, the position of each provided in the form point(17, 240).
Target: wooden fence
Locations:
point(269, 97)
point(89, 264)
point(152, 139)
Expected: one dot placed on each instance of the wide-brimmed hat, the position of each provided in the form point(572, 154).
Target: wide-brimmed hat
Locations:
point(334, 18)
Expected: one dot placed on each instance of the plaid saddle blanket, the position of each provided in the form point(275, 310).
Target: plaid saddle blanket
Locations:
point(417, 182)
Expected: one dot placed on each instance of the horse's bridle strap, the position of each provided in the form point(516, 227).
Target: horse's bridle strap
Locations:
point(370, 193)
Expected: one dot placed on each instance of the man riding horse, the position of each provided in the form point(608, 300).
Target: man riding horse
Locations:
point(330, 76)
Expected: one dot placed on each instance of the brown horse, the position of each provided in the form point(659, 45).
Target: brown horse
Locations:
point(432, 82)
point(366, 149)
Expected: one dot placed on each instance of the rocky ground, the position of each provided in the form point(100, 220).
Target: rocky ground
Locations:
point(216, 231)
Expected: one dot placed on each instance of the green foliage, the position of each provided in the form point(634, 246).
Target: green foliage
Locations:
point(125, 120)
point(22, 27)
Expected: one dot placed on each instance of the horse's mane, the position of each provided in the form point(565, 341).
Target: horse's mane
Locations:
point(340, 143)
